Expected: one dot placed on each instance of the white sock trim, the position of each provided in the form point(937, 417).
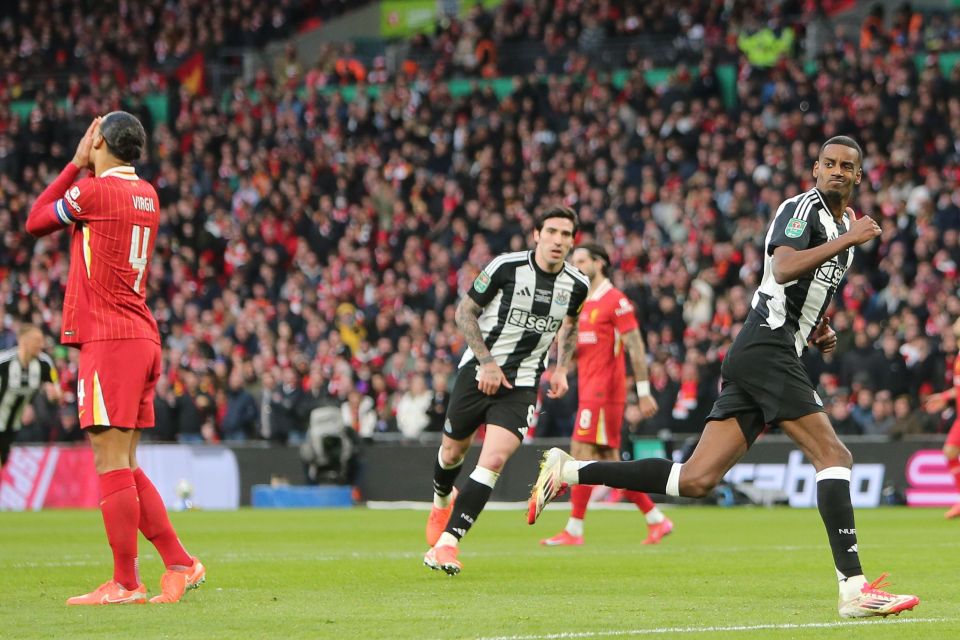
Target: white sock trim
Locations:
point(673, 481)
point(570, 473)
point(834, 473)
point(654, 516)
point(485, 476)
point(444, 465)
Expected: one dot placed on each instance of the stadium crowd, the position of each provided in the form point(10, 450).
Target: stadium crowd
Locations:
point(312, 249)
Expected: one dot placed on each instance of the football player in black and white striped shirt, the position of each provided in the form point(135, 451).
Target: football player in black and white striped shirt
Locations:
point(808, 248)
point(24, 370)
point(510, 316)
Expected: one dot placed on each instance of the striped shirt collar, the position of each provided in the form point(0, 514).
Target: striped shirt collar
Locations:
point(126, 172)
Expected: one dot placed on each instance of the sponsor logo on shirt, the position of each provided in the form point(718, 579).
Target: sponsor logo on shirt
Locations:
point(830, 273)
point(531, 322)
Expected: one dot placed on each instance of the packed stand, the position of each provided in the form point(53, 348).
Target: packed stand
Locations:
point(312, 250)
point(62, 49)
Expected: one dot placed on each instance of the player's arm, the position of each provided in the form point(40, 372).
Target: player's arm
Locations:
point(51, 381)
point(56, 208)
point(485, 288)
point(791, 261)
point(566, 357)
point(633, 342)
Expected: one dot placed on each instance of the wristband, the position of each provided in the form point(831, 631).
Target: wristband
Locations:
point(643, 389)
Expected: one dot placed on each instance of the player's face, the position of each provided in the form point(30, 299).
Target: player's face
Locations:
point(554, 241)
point(837, 171)
point(32, 344)
point(584, 261)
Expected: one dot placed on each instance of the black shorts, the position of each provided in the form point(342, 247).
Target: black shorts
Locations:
point(763, 381)
point(513, 409)
point(6, 439)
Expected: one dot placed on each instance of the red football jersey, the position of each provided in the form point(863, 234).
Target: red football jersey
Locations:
point(956, 381)
point(606, 316)
point(115, 218)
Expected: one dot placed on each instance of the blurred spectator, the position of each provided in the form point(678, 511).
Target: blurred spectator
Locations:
point(909, 419)
point(240, 420)
point(412, 418)
point(359, 414)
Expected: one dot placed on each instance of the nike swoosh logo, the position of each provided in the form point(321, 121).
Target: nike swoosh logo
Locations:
point(106, 600)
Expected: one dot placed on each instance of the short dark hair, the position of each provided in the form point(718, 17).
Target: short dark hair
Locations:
point(558, 212)
point(124, 135)
point(597, 252)
point(846, 141)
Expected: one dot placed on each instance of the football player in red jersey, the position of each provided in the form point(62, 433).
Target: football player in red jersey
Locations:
point(607, 326)
point(114, 216)
point(951, 448)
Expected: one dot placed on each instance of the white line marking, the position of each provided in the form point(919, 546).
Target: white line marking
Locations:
point(756, 627)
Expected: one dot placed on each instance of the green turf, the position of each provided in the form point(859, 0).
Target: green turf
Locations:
point(353, 574)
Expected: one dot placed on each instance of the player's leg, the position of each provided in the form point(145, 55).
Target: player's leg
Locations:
point(815, 436)
point(6, 441)
point(951, 451)
point(589, 428)
point(445, 471)
point(183, 571)
point(658, 525)
point(572, 533)
point(499, 444)
point(722, 443)
point(121, 517)
point(465, 413)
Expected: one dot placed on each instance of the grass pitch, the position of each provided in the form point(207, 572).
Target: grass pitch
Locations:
point(355, 574)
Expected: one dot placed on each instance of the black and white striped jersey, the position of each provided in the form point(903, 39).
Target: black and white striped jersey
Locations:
point(801, 222)
point(523, 307)
point(19, 383)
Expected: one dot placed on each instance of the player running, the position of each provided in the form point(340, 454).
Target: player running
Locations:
point(607, 326)
point(951, 448)
point(809, 248)
point(510, 316)
point(114, 217)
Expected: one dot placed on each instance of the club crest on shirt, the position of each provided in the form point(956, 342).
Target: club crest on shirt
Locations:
point(482, 282)
point(795, 228)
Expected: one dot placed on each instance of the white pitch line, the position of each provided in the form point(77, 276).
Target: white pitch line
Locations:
point(756, 627)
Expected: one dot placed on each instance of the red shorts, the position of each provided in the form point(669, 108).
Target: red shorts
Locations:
point(599, 424)
point(116, 383)
point(953, 436)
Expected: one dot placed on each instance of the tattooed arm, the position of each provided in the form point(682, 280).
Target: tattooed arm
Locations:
point(566, 357)
point(490, 376)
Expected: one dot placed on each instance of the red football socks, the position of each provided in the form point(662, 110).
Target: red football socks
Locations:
point(579, 497)
point(121, 515)
point(640, 499)
point(155, 524)
point(954, 467)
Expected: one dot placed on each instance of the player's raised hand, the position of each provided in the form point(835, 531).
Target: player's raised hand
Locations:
point(862, 229)
point(558, 383)
point(82, 156)
point(825, 338)
point(490, 378)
